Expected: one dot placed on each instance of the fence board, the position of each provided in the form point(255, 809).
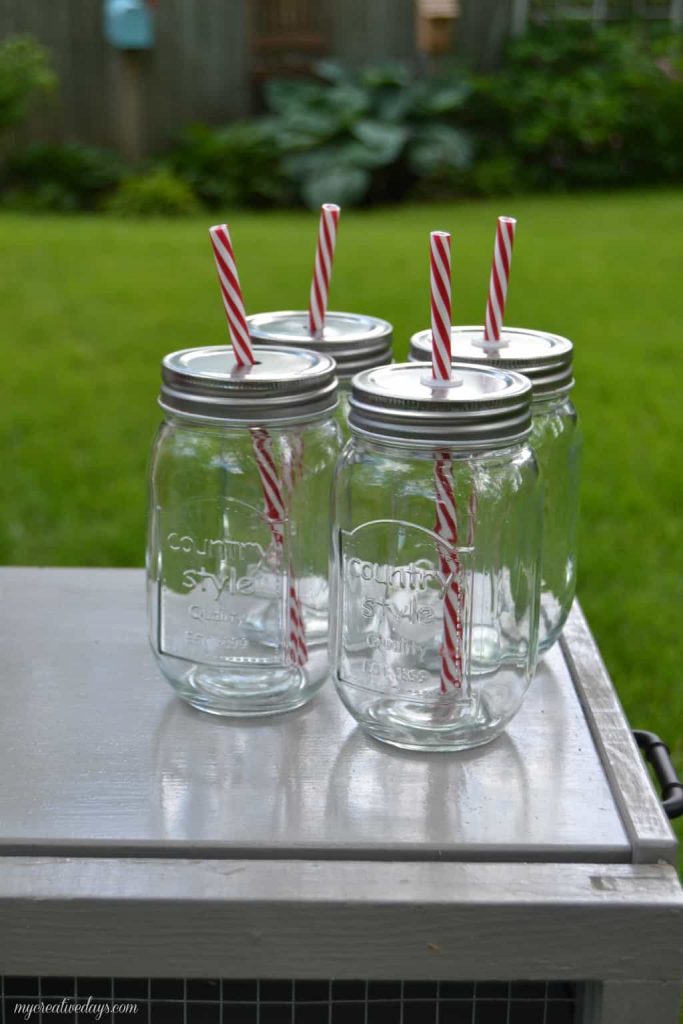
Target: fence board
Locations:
point(366, 32)
point(482, 29)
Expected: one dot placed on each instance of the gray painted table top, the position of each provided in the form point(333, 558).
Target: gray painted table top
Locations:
point(99, 758)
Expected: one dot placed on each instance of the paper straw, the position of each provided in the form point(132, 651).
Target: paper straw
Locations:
point(232, 294)
point(275, 512)
point(440, 292)
point(322, 268)
point(500, 275)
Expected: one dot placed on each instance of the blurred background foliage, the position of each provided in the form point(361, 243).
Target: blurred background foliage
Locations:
point(573, 105)
point(24, 71)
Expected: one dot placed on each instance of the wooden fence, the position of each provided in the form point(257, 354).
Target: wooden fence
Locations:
point(135, 101)
point(206, 64)
point(210, 56)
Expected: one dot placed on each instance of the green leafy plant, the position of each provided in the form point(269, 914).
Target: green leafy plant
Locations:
point(24, 71)
point(575, 104)
point(64, 177)
point(157, 192)
point(233, 166)
point(370, 135)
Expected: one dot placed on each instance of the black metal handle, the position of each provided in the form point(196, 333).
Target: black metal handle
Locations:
point(657, 753)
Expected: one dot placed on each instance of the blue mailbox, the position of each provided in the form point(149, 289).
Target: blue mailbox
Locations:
point(129, 24)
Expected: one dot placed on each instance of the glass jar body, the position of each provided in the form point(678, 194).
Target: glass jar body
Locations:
point(396, 581)
point(556, 440)
point(237, 574)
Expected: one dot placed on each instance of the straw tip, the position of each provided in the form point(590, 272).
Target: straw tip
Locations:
point(440, 234)
point(216, 228)
point(507, 220)
point(331, 208)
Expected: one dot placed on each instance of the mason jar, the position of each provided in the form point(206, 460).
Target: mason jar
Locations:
point(546, 359)
point(237, 552)
point(356, 342)
point(436, 550)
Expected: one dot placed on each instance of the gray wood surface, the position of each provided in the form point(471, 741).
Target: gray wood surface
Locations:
point(641, 811)
point(633, 1002)
point(98, 757)
point(175, 918)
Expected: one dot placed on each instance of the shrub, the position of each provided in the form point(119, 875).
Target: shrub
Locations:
point(234, 166)
point(63, 177)
point(24, 71)
point(580, 105)
point(497, 176)
point(157, 192)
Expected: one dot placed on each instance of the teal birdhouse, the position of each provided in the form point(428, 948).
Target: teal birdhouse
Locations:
point(129, 24)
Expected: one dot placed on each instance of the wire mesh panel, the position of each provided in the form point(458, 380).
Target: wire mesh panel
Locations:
point(223, 1001)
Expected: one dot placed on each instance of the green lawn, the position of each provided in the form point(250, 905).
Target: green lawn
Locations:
point(89, 306)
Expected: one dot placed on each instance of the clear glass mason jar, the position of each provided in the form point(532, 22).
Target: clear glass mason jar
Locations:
point(356, 342)
point(436, 548)
point(546, 359)
point(237, 561)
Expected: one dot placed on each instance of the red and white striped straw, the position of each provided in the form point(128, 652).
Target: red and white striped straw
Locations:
point(446, 524)
point(261, 441)
point(276, 512)
point(232, 294)
point(292, 472)
point(500, 275)
point(454, 597)
point(322, 269)
point(440, 291)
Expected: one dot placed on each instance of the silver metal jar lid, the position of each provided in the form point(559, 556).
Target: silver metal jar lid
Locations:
point(546, 359)
point(284, 384)
point(355, 342)
point(482, 406)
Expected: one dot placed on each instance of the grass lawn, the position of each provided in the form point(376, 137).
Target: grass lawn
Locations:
point(89, 306)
